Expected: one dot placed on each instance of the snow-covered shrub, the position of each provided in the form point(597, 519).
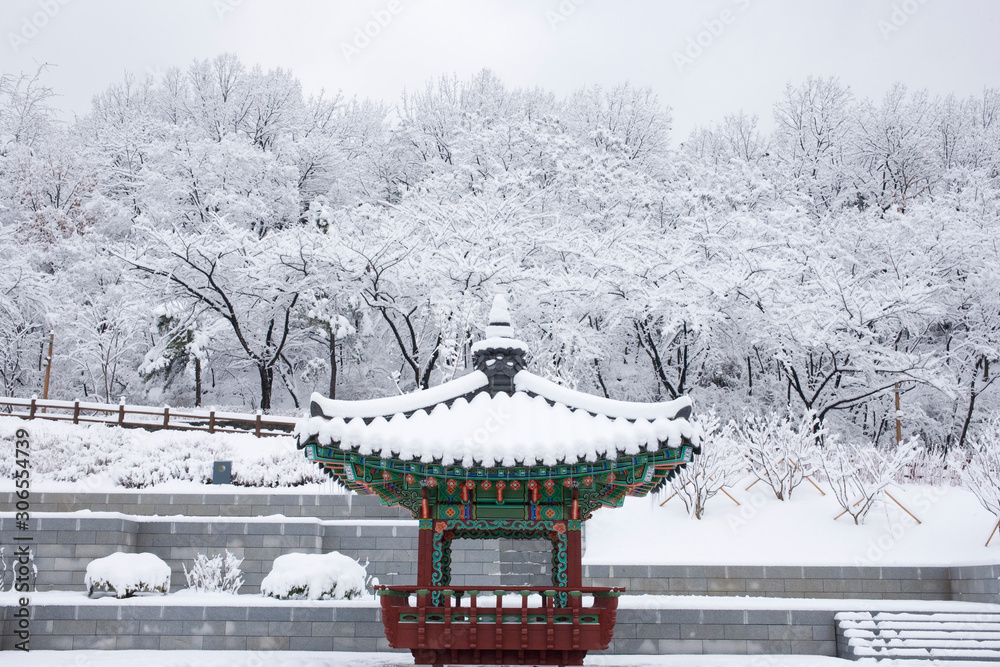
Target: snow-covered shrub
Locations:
point(858, 473)
point(981, 474)
point(331, 576)
point(720, 464)
point(780, 451)
point(218, 574)
point(32, 570)
point(276, 470)
point(138, 459)
point(126, 574)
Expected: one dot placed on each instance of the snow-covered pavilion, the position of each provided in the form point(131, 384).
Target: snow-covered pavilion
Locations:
point(499, 452)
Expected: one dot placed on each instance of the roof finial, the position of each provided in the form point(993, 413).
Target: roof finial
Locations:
point(499, 324)
point(500, 356)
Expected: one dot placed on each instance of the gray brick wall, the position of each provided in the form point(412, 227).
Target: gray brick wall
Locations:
point(917, 583)
point(978, 583)
point(326, 627)
point(235, 504)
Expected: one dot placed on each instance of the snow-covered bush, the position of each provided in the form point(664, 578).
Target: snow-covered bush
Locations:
point(331, 576)
point(720, 464)
point(32, 570)
point(858, 473)
point(126, 574)
point(218, 574)
point(981, 474)
point(138, 459)
point(276, 470)
point(780, 451)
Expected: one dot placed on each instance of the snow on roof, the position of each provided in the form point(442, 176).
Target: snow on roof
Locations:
point(525, 381)
point(499, 325)
point(392, 405)
point(501, 430)
point(499, 343)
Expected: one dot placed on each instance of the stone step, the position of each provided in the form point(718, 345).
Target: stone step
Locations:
point(918, 636)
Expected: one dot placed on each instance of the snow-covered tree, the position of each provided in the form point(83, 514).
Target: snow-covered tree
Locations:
point(780, 451)
point(720, 464)
point(859, 473)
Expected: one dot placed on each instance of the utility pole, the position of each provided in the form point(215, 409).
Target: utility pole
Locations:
point(48, 368)
point(899, 424)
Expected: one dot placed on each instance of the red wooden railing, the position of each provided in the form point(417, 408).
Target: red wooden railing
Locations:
point(448, 625)
point(149, 418)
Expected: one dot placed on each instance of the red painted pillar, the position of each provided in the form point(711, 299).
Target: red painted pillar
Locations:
point(574, 554)
point(425, 550)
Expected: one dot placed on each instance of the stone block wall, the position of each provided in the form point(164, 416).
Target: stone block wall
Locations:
point(326, 627)
point(234, 504)
point(976, 583)
point(901, 583)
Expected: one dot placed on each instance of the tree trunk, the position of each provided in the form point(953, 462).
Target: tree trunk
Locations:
point(266, 382)
point(333, 365)
point(197, 382)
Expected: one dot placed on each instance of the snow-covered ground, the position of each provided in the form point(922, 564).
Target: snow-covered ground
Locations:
point(802, 531)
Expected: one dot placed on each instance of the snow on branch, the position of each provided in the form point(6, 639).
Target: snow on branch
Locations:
point(781, 451)
point(981, 474)
point(218, 574)
point(720, 464)
point(859, 473)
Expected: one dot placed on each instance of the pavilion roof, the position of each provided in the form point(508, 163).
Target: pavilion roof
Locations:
point(499, 415)
point(462, 423)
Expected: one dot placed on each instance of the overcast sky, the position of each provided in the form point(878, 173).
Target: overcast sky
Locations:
point(705, 58)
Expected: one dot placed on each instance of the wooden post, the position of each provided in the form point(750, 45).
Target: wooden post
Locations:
point(899, 424)
point(166, 415)
point(256, 428)
point(31, 411)
point(48, 368)
point(121, 410)
point(992, 534)
point(76, 411)
point(901, 507)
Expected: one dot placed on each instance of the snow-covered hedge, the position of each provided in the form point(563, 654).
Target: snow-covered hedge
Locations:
point(126, 574)
point(331, 576)
point(138, 459)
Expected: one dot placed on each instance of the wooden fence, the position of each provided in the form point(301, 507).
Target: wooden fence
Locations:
point(149, 418)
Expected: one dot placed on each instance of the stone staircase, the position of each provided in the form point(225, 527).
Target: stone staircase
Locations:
point(942, 637)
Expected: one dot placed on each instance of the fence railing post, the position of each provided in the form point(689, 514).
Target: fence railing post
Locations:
point(76, 411)
point(256, 430)
point(34, 406)
point(166, 415)
point(211, 421)
point(121, 410)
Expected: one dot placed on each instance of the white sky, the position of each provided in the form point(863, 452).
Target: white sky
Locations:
point(943, 45)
